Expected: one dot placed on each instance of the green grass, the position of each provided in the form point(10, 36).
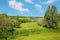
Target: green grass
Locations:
point(31, 31)
point(46, 36)
point(32, 25)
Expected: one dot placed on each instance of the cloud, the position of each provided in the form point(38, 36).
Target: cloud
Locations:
point(17, 6)
point(29, 1)
point(50, 1)
point(38, 6)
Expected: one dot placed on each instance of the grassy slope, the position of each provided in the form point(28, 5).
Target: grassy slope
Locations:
point(44, 34)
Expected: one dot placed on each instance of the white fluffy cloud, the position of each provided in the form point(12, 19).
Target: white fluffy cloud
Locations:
point(50, 1)
point(17, 5)
point(38, 6)
point(29, 1)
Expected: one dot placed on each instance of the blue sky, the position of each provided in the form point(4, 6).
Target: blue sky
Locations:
point(27, 7)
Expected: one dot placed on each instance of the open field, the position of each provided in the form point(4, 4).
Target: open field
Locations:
point(31, 31)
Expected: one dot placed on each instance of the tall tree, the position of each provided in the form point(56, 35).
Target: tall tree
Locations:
point(47, 17)
point(53, 17)
point(50, 17)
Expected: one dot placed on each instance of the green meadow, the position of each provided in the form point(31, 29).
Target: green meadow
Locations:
point(32, 31)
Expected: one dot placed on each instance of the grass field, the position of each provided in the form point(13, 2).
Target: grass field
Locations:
point(46, 36)
point(31, 31)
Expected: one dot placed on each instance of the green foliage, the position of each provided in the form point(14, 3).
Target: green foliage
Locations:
point(6, 26)
point(47, 16)
point(50, 17)
point(58, 19)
